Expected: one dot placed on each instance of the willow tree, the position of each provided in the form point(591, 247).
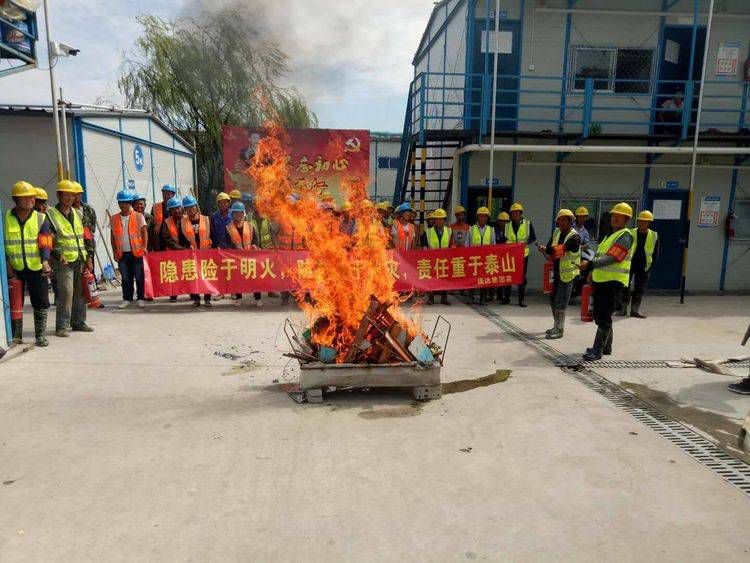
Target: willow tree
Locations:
point(198, 74)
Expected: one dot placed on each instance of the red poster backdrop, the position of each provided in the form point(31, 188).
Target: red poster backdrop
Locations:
point(245, 271)
point(319, 159)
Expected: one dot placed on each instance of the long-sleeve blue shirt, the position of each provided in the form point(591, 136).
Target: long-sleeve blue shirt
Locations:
point(219, 222)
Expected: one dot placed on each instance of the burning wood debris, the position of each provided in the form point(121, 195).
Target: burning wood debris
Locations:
point(380, 339)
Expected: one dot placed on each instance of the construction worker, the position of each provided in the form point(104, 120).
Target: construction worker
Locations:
point(40, 200)
point(139, 205)
point(160, 212)
point(241, 235)
point(219, 221)
point(582, 215)
point(646, 253)
point(70, 257)
point(266, 238)
point(170, 237)
point(88, 217)
point(435, 237)
point(382, 209)
point(520, 230)
point(235, 196)
point(564, 249)
point(129, 238)
point(195, 230)
point(390, 219)
point(347, 224)
point(27, 250)
point(610, 273)
point(403, 232)
point(460, 228)
point(247, 200)
point(503, 292)
point(481, 234)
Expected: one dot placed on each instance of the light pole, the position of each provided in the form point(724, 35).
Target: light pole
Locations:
point(52, 59)
point(494, 104)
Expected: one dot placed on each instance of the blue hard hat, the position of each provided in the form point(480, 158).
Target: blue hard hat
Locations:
point(403, 207)
point(189, 201)
point(137, 196)
point(247, 196)
point(237, 206)
point(125, 196)
point(173, 203)
point(169, 188)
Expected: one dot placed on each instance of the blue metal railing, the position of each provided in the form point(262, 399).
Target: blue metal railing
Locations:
point(593, 104)
point(29, 32)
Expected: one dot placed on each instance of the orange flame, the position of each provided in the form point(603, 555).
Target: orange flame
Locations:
point(343, 271)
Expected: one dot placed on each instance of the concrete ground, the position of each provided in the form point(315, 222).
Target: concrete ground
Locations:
point(167, 435)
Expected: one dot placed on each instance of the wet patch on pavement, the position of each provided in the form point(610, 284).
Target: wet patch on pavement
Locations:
point(463, 385)
point(405, 411)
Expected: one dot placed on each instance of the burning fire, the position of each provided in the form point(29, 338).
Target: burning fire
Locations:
point(343, 271)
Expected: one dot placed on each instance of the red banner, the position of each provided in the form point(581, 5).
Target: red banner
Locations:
point(319, 159)
point(245, 271)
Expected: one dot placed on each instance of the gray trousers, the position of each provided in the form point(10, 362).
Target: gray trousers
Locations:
point(560, 297)
point(71, 305)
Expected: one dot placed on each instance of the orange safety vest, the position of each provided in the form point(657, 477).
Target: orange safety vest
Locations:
point(290, 240)
point(158, 216)
point(204, 228)
point(405, 236)
point(246, 240)
point(137, 246)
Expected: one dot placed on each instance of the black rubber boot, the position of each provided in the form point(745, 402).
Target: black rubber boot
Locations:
point(607, 347)
point(595, 353)
point(40, 327)
point(559, 330)
point(635, 308)
point(17, 328)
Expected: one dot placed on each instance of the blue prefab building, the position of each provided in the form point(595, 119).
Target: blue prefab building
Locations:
point(596, 102)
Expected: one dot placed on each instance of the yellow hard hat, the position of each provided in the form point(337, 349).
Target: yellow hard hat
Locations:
point(460, 209)
point(622, 209)
point(582, 211)
point(67, 186)
point(645, 216)
point(503, 216)
point(41, 194)
point(346, 206)
point(235, 194)
point(383, 205)
point(516, 207)
point(429, 215)
point(565, 213)
point(223, 196)
point(79, 187)
point(326, 196)
point(439, 214)
point(23, 189)
point(483, 211)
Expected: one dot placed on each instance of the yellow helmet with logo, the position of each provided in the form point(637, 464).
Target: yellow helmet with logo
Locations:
point(565, 213)
point(582, 212)
point(439, 214)
point(23, 189)
point(622, 209)
point(645, 216)
point(483, 211)
point(516, 207)
point(41, 194)
point(459, 209)
point(67, 186)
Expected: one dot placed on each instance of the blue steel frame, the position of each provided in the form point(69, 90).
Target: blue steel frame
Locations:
point(32, 34)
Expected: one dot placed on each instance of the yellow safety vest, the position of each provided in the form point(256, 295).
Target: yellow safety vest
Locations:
point(434, 242)
point(479, 238)
point(570, 260)
point(617, 271)
point(523, 234)
point(649, 247)
point(22, 245)
point(68, 238)
point(264, 232)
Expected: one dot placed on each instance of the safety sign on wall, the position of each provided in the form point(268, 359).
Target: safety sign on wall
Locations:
point(709, 212)
point(138, 158)
point(727, 59)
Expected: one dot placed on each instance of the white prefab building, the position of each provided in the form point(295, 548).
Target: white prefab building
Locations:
point(620, 78)
point(384, 164)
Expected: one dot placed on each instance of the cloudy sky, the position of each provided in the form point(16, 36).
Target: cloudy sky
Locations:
point(351, 60)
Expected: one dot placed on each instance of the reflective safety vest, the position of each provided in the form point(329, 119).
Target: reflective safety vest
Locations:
point(204, 228)
point(22, 245)
point(405, 236)
point(460, 233)
point(570, 260)
point(617, 271)
point(264, 232)
point(290, 240)
point(243, 241)
point(68, 240)
point(137, 247)
point(650, 246)
point(434, 242)
point(479, 238)
point(158, 216)
point(524, 228)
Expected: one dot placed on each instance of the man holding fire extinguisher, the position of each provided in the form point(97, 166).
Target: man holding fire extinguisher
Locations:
point(610, 273)
point(27, 250)
point(70, 258)
point(564, 251)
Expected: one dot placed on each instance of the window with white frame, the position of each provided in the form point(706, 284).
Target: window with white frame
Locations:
point(622, 70)
point(742, 219)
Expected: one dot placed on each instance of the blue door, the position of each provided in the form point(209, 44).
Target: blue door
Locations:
point(508, 66)
point(670, 212)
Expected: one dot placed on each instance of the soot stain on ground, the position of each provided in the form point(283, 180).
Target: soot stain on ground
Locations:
point(463, 385)
point(720, 428)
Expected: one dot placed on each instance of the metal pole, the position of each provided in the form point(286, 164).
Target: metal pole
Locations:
point(53, 87)
point(695, 152)
point(64, 119)
point(494, 103)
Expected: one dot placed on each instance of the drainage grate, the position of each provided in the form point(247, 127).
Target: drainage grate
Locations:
point(648, 364)
point(705, 452)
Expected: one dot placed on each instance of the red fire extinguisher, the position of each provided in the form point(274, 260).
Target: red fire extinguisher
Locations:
point(90, 290)
point(587, 303)
point(549, 276)
point(15, 288)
